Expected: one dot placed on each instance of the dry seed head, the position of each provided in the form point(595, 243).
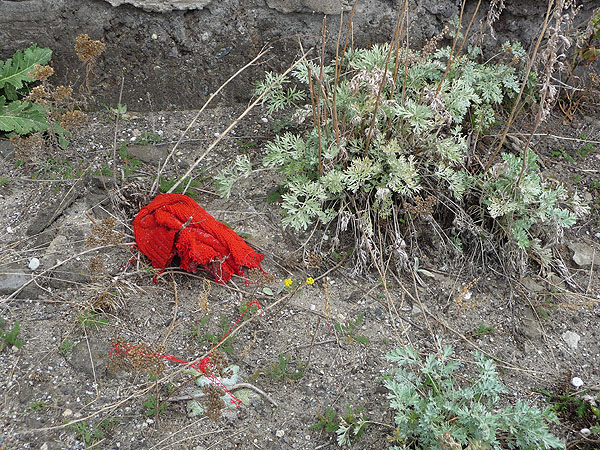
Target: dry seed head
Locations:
point(26, 148)
point(140, 358)
point(422, 207)
point(39, 95)
point(212, 402)
point(96, 268)
point(106, 302)
point(260, 278)
point(87, 49)
point(73, 119)
point(103, 233)
point(62, 93)
point(203, 299)
point(42, 73)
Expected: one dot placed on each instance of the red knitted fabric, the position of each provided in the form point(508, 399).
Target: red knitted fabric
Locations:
point(174, 224)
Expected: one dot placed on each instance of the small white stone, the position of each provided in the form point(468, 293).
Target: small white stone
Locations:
point(67, 412)
point(313, 307)
point(279, 433)
point(264, 120)
point(34, 263)
point(154, 36)
point(577, 382)
point(585, 431)
point(217, 135)
point(9, 230)
point(44, 446)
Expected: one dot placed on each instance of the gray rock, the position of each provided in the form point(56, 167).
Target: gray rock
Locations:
point(80, 356)
point(571, 338)
point(161, 5)
point(150, 154)
point(530, 326)
point(159, 44)
point(13, 278)
point(584, 254)
point(531, 285)
point(317, 6)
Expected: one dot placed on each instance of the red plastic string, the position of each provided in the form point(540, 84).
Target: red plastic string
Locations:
point(204, 365)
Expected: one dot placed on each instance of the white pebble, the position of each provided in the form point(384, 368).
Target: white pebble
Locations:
point(279, 433)
point(34, 263)
point(9, 230)
point(577, 382)
point(264, 120)
point(585, 431)
point(67, 412)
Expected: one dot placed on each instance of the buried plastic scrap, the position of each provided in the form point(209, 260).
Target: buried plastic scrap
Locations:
point(174, 224)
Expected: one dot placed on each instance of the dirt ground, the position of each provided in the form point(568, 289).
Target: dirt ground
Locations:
point(315, 346)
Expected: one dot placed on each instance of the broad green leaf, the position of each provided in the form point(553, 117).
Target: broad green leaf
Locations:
point(17, 69)
point(22, 117)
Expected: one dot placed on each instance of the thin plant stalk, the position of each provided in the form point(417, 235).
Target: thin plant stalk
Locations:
point(212, 96)
point(512, 115)
point(450, 58)
point(382, 84)
point(116, 132)
point(235, 122)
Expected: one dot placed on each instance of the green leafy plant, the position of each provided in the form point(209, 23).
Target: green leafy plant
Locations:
point(146, 138)
point(37, 406)
point(130, 164)
point(168, 183)
point(434, 409)
point(482, 330)
point(282, 370)
point(16, 75)
point(91, 318)
point(578, 409)
point(66, 347)
point(85, 434)
point(153, 406)
point(11, 338)
point(350, 327)
point(388, 148)
point(351, 426)
point(327, 422)
point(211, 339)
point(224, 180)
point(519, 200)
point(119, 111)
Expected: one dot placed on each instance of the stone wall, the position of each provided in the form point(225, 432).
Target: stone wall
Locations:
point(174, 53)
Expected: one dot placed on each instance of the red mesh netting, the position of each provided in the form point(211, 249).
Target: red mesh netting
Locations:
point(174, 224)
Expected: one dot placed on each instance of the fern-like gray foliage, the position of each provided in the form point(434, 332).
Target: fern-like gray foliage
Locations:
point(385, 140)
point(433, 404)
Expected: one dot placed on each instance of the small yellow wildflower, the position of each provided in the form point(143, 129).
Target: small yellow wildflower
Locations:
point(288, 282)
point(310, 280)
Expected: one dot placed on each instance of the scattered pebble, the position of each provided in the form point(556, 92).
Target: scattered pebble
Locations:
point(34, 263)
point(577, 382)
point(265, 120)
point(585, 431)
point(67, 412)
point(9, 230)
point(280, 433)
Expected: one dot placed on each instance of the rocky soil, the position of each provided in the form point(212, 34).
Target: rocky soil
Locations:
point(71, 279)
